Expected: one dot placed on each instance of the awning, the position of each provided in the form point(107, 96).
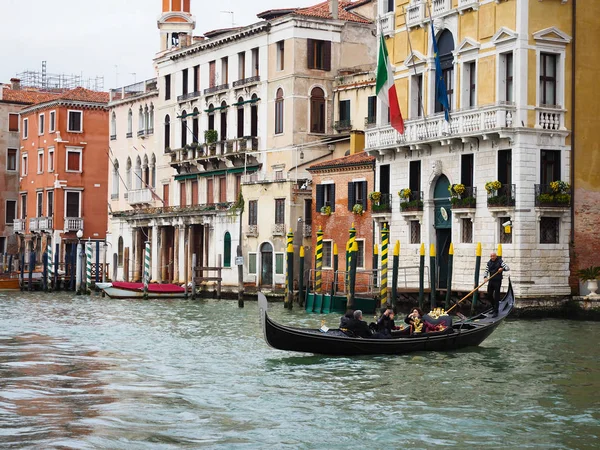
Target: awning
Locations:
point(187, 176)
point(218, 108)
point(252, 100)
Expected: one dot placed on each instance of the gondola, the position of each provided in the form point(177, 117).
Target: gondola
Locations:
point(121, 289)
point(468, 332)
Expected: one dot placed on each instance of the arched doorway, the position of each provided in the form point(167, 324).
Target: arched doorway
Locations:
point(266, 264)
point(443, 227)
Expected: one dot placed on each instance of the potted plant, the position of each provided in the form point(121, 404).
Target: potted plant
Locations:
point(375, 197)
point(404, 194)
point(492, 186)
point(457, 190)
point(590, 276)
point(211, 136)
point(358, 209)
point(326, 210)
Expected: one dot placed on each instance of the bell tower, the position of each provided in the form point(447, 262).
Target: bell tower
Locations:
point(176, 24)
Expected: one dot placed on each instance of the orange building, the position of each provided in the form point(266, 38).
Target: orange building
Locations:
point(63, 171)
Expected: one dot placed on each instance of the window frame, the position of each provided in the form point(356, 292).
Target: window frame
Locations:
point(252, 261)
point(50, 210)
point(327, 253)
point(315, 104)
point(72, 191)
point(279, 256)
point(6, 209)
point(544, 79)
point(40, 161)
point(280, 55)
point(167, 80)
point(557, 221)
point(280, 211)
point(18, 121)
point(74, 111)
point(26, 128)
point(279, 111)
point(252, 212)
point(52, 121)
point(360, 262)
point(41, 124)
point(16, 158)
point(226, 250)
point(23, 199)
point(24, 164)
point(51, 159)
point(73, 150)
point(39, 203)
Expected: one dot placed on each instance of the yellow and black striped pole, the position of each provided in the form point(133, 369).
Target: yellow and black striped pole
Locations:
point(301, 278)
point(384, 263)
point(477, 268)
point(375, 264)
point(432, 295)
point(422, 276)
point(499, 251)
point(352, 287)
point(290, 240)
point(395, 267)
point(319, 260)
point(289, 299)
point(335, 270)
point(351, 240)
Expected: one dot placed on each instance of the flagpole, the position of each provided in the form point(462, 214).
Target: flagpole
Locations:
point(447, 106)
point(419, 92)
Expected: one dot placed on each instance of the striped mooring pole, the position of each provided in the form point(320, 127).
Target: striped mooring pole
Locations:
point(88, 262)
point(395, 267)
point(384, 263)
point(422, 275)
point(146, 268)
point(319, 260)
point(50, 266)
point(289, 241)
point(351, 240)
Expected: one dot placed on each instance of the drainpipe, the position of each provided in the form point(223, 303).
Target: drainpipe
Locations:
point(573, 122)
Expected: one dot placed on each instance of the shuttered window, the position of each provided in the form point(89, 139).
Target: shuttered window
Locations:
point(319, 54)
point(357, 194)
point(252, 212)
point(325, 196)
point(279, 210)
point(13, 122)
point(194, 192)
point(73, 161)
point(210, 198)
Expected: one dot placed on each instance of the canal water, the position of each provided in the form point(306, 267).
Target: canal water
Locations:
point(90, 372)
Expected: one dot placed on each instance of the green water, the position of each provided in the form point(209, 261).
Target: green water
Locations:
point(87, 372)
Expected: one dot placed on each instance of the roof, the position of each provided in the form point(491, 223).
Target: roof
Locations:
point(358, 159)
point(84, 95)
point(219, 31)
point(26, 96)
point(321, 10)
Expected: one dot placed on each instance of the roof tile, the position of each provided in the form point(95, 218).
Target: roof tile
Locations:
point(322, 10)
point(352, 160)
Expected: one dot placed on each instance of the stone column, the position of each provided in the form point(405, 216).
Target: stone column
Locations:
point(176, 254)
point(163, 255)
point(155, 259)
point(184, 249)
point(137, 255)
point(190, 251)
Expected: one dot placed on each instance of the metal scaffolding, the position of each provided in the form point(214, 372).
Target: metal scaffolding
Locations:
point(44, 81)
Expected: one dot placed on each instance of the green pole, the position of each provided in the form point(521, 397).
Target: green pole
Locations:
point(375, 264)
point(335, 269)
point(319, 260)
point(422, 276)
point(449, 281)
point(477, 269)
point(395, 264)
point(432, 269)
point(290, 276)
point(353, 262)
point(301, 277)
point(384, 264)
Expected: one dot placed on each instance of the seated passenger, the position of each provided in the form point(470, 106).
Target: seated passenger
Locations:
point(358, 326)
point(385, 324)
point(346, 318)
point(415, 313)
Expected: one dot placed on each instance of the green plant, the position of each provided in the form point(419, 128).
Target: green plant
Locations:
point(589, 273)
point(497, 200)
point(326, 209)
point(564, 199)
point(211, 136)
point(467, 202)
point(375, 196)
point(167, 149)
point(358, 209)
point(415, 205)
point(492, 186)
point(546, 198)
point(404, 193)
point(560, 187)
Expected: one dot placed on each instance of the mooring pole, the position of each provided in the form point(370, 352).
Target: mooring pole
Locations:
point(50, 265)
point(88, 278)
point(449, 280)
point(45, 272)
point(477, 269)
point(240, 278)
point(319, 261)
point(334, 282)
point(353, 262)
point(289, 240)
point(351, 240)
point(301, 277)
point(375, 264)
point(56, 265)
point(290, 275)
point(384, 265)
point(395, 264)
point(432, 296)
point(146, 268)
point(422, 276)
point(97, 262)
point(31, 267)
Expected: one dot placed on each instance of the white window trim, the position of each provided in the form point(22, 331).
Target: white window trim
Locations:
point(41, 124)
point(331, 262)
point(20, 204)
point(48, 192)
point(6, 210)
point(561, 53)
point(73, 149)
point(465, 91)
point(51, 152)
point(501, 76)
point(24, 165)
point(52, 122)
point(250, 254)
point(80, 192)
point(40, 167)
point(26, 128)
point(37, 203)
point(16, 169)
point(283, 265)
point(363, 253)
point(69, 111)
point(414, 108)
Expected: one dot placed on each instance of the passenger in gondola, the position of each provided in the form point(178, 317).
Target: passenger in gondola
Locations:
point(385, 324)
point(346, 318)
point(415, 320)
point(358, 326)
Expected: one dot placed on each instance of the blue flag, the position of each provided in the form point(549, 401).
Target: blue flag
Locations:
point(442, 93)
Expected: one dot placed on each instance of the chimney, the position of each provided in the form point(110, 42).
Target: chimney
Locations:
point(333, 9)
point(15, 84)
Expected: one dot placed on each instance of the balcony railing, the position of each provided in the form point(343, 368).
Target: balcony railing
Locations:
point(141, 133)
point(415, 13)
point(439, 7)
point(548, 197)
point(19, 225)
point(251, 230)
point(212, 90)
point(307, 230)
point(370, 121)
point(278, 229)
point(383, 205)
point(468, 199)
point(33, 224)
point(485, 120)
point(113, 137)
point(261, 177)
point(246, 81)
point(467, 4)
point(45, 223)
point(188, 96)
point(388, 23)
point(139, 196)
point(413, 203)
point(549, 118)
point(505, 196)
point(73, 223)
point(343, 125)
point(129, 134)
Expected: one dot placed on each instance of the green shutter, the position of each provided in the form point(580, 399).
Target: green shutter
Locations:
point(279, 263)
point(227, 250)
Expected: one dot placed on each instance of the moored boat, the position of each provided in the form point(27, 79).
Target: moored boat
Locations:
point(468, 332)
point(122, 289)
point(9, 284)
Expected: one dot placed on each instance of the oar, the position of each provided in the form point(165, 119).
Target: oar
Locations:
point(472, 292)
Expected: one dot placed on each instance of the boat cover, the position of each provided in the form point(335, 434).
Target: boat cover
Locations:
point(152, 287)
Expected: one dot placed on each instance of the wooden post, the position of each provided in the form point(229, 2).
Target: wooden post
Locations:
point(290, 276)
point(175, 256)
point(164, 272)
point(23, 269)
point(335, 270)
point(31, 266)
point(45, 272)
point(194, 272)
point(74, 267)
point(301, 278)
point(351, 240)
point(289, 240)
point(449, 281)
point(477, 269)
point(56, 255)
point(395, 265)
point(422, 276)
point(115, 273)
point(98, 268)
point(432, 296)
point(126, 264)
point(220, 267)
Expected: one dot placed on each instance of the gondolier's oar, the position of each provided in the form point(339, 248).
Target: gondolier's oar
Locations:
point(472, 292)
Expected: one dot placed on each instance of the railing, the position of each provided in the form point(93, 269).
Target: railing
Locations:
point(278, 229)
point(307, 230)
point(505, 196)
point(19, 225)
point(133, 89)
point(189, 95)
point(388, 23)
point(370, 121)
point(212, 90)
point(342, 125)
point(244, 81)
point(251, 230)
point(139, 196)
point(466, 4)
point(177, 210)
point(261, 177)
point(547, 197)
point(150, 130)
point(384, 204)
point(113, 137)
point(73, 223)
point(414, 202)
point(129, 134)
point(468, 199)
point(45, 223)
point(141, 133)
point(462, 123)
point(548, 118)
point(33, 224)
point(440, 7)
point(415, 13)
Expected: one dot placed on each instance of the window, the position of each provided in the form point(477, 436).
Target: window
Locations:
point(344, 106)
point(40, 204)
point(254, 117)
point(415, 232)
point(252, 263)
point(52, 122)
point(51, 159)
point(24, 168)
point(466, 171)
point(319, 54)
point(325, 196)
point(505, 238)
point(388, 5)
point(357, 194)
point(41, 124)
point(222, 189)
point(11, 211)
point(210, 198)
point(113, 126)
point(279, 211)
point(25, 128)
point(416, 96)
point(227, 250)
point(184, 81)
point(23, 206)
point(120, 252)
point(548, 79)
point(241, 65)
point(72, 203)
point(165, 196)
point(11, 159)
point(507, 72)
point(13, 122)
point(223, 121)
point(195, 125)
point(505, 166)
point(327, 253)
point(212, 74)
point(167, 133)
point(167, 87)
point(280, 55)
point(194, 192)
point(73, 160)
point(317, 111)
point(445, 48)
point(466, 231)
point(372, 110)
point(128, 174)
point(196, 78)
point(360, 254)
point(255, 62)
point(140, 121)
point(549, 166)
point(40, 161)
point(211, 117)
point(224, 70)
point(279, 111)
point(182, 194)
point(75, 122)
point(50, 205)
point(238, 186)
point(184, 131)
point(279, 258)
point(240, 118)
point(308, 211)
point(115, 180)
point(253, 212)
point(129, 123)
point(549, 228)
point(414, 180)
point(470, 84)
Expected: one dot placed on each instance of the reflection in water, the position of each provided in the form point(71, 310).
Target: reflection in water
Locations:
point(88, 372)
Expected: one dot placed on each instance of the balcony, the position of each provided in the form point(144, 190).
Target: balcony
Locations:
point(188, 96)
point(383, 204)
point(73, 224)
point(307, 230)
point(129, 135)
point(464, 5)
point(261, 177)
point(113, 137)
point(553, 195)
point(251, 230)
point(141, 133)
point(246, 81)
point(441, 7)
point(494, 119)
point(343, 125)
point(465, 200)
point(19, 225)
point(40, 224)
point(33, 224)
point(278, 229)
point(139, 197)
point(415, 13)
point(503, 197)
point(414, 202)
point(370, 121)
point(550, 118)
point(388, 23)
point(214, 89)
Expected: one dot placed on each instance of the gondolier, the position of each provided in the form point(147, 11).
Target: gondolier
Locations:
point(495, 265)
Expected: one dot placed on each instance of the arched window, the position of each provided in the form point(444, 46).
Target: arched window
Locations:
point(183, 129)
point(254, 117)
point(223, 121)
point(138, 173)
point(128, 169)
point(240, 118)
point(120, 252)
point(129, 123)
point(445, 48)
point(153, 170)
point(211, 117)
point(167, 133)
point(227, 250)
point(140, 120)
point(146, 119)
point(279, 111)
point(146, 172)
point(113, 126)
point(317, 111)
point(151, 120)
point(115, 181)
point(195, 127)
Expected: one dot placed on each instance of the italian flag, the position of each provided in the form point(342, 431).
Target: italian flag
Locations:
point(386, 88)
